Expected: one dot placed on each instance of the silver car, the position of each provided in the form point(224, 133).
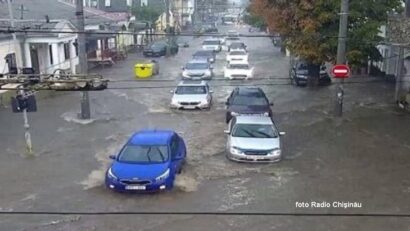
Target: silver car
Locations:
point(197, 69)
point(192, 95)
point(253, 138)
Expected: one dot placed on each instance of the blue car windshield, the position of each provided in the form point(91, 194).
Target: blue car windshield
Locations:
point(144, 154)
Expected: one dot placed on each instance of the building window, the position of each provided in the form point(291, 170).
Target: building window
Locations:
point(66, 51)
point(108, 3)
point(11, 63)
point(50, 52)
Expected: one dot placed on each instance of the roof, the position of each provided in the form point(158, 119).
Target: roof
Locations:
point(192, 83)
point(253, 119)
point(151, 137)
point(55, 9)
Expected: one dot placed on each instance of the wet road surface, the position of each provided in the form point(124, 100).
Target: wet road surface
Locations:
point(363, 158)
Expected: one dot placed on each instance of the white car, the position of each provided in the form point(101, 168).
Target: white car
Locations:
point(253, 138)
point(239, 70)
point(230, 40)
point(192, 95)
point(237, 57)
point(212, 45)
point(197, 69)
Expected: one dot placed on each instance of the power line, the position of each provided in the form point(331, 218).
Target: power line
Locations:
point(174, 86)
point(9, 30)
point(288, 214)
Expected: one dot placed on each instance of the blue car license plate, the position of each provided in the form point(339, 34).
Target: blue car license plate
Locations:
point(135, 187)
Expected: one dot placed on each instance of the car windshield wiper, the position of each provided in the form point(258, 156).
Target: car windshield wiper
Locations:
point(149, 158)
point(265, 134)
point(250, 134)
point(162, 155)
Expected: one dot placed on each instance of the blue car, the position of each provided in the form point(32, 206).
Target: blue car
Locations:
point(148, 162)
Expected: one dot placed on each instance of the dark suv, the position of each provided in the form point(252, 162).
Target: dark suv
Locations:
point(299, 74)
point(159, 48)
point(247, 100)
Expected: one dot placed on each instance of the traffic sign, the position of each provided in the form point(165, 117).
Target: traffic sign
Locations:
point(341, 71)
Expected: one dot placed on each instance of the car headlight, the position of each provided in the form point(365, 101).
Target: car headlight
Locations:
point(275, 152)
point(163, 176)
point(111, 175)
point(204, 103)
point(234, 113)
point(208, 72)
point(235, 151)
point(266, 114)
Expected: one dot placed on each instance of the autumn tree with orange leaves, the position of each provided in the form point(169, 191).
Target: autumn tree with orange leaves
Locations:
point(310, 27)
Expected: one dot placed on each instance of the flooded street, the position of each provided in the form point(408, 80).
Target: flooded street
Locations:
point(363, 157)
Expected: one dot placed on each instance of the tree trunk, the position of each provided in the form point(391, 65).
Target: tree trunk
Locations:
point(313, 74)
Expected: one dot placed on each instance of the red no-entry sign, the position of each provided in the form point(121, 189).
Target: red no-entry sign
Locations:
point(341, 71)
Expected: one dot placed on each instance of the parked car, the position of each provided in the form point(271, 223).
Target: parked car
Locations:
point(299, 74)
point(159, 48)
point(247, 100)
point(237, 46)
point(192, 95)
point(210, 28)
point(212, 45)
point(237, 56)
point(253, 139)
point(197, 69)
point(233, 33)
point(148, 162)
point(234, 70)
point(182, 42)
point(203, 54)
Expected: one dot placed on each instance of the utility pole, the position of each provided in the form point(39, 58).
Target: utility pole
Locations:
point(399, 72)
point(27, 135)
point(341, 53)
point(82, 56)
point(22, 10)
point(168, 27)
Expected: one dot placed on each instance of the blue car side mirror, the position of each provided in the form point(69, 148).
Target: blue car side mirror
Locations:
point(112, 157)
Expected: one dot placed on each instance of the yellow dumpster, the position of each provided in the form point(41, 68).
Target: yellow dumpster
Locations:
point(143, 70)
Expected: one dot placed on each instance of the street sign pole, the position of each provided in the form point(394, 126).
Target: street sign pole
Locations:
point(341, 53)
point(27, 135)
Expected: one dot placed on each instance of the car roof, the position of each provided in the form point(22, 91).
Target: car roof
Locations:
point(203, 52)
point(192, 83)
point(253, 119)
point(198, 61)
point(151, 137)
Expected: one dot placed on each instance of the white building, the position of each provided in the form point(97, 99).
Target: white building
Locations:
point(45, 52)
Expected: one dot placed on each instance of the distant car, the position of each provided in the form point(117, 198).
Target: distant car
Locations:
point(237, 46)
point(253, 139)
point(229, 40)
point(212, 45)
point(247, 100)
point(211, 28)
point(233, 33)
point(237, 57)
point(197, 70)
point(148, 162)
point(239, 70)
point(299, 74)
point(159, 48)
point(221, 38)
point(192, 95)
point(182, 42)
point(203, 54)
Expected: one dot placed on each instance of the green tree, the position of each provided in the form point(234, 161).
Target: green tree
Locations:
point(310, 27)
point(253, 19)
point(146, 13)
